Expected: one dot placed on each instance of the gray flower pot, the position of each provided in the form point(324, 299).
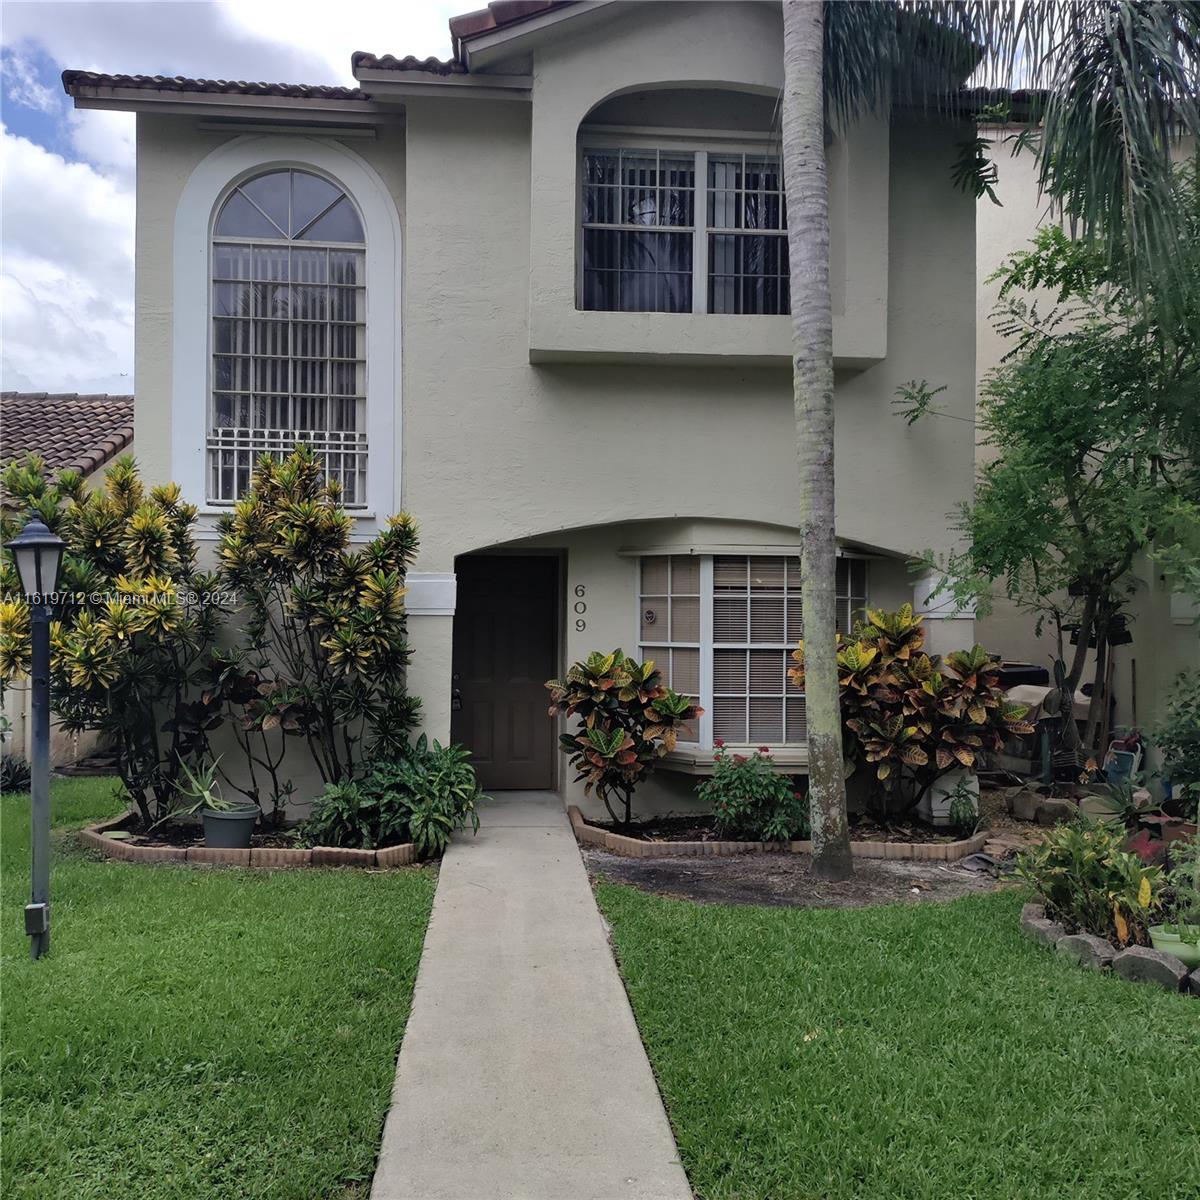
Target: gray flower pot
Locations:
point(229, 830)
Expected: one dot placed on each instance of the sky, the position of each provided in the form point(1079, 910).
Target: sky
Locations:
point(66, 176)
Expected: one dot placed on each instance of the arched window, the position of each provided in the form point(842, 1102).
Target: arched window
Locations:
point(289, 332)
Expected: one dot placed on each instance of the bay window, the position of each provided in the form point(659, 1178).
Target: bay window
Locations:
point(722, 628)
point(677, 231)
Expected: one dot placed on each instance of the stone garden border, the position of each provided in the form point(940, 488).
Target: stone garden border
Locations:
point(1137, 963)
point(627, 847)
point(266, 856)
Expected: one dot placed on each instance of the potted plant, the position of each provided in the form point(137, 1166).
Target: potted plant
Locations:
point(1181, 937)
point(228, 825)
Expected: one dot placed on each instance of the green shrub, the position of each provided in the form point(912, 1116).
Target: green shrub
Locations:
point(14, 773)
point(134, 624)
point(913, 716)
point(1184, 886)
point(423, 797)
point(751, 801)
point(1178, 739)
point(1089, 882)
point(326, 629)
point(628, 719)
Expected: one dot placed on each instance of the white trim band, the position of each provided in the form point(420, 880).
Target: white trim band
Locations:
point(430, 594)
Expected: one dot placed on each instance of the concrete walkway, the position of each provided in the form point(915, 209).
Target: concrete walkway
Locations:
point(522, 1076)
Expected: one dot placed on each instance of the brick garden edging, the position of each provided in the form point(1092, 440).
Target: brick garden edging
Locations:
point(627, 847)
point(1139, 964)
point(266, 856)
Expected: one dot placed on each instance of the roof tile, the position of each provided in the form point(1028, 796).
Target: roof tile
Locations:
point(180, 83)
point(67, 430)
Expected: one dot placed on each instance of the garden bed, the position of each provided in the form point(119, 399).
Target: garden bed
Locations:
point(1140, 964)
point(185, 844)
point(685, 836)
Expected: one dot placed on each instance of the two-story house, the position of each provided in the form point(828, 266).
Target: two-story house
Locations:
point(538, 296)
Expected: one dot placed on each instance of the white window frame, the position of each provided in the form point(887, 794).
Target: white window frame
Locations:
point(707, 646)
point(203, 194)
point(700, 148)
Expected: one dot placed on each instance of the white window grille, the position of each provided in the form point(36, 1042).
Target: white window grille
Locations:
point(289, 332)
point(650, 244)
point(723, 628)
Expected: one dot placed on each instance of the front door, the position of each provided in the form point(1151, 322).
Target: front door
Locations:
point(505, 638)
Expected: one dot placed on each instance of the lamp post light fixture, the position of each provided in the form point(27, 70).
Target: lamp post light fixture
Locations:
point(38, 555)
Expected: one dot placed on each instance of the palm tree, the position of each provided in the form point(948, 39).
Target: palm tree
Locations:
point(1121, 83)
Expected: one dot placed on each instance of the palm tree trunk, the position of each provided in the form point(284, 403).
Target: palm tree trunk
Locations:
point(807, 192)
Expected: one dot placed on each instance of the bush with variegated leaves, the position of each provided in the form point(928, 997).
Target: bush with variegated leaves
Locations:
point(628, 719)
point(915, 716)
point(325, 634)
point(134, 625)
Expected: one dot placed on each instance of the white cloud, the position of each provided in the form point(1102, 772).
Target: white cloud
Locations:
point(22, 84)
point(68, 226)
point(67, 273)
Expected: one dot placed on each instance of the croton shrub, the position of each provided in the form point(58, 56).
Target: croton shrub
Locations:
point(627, 720)
point(134, 625)
point(325, 626)
point(913, 715)
point(297, 639)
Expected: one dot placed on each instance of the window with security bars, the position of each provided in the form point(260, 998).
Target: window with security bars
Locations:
point(670, 623)
point(289, 332)
point(739, 620)
point(651, 244)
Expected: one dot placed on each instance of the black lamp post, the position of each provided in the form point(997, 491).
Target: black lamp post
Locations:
point(38, 554)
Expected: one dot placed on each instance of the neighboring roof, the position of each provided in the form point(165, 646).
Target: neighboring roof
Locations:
point(361, 60)
point(72, 80)
point(65, 429)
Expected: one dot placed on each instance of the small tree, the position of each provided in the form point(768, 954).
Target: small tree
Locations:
point(134, 625)
point(1091, 417)
point(326, 629)
point(913, 715)
point(627, 721)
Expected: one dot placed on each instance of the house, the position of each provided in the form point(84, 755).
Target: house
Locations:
point(68, 432)
point(537, 295)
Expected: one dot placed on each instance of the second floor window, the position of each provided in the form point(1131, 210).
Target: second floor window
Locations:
point(289, 332)
point(683, 231)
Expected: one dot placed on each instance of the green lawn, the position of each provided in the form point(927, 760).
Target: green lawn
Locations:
point(198, 1033)
point(905, 1052)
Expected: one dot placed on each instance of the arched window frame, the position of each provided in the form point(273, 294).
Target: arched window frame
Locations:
point(201, 200)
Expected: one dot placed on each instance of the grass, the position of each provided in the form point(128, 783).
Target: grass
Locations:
point(905, 1052)
point(198, 1032)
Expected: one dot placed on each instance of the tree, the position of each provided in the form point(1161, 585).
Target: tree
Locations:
point(1120, 78)
point(1091, 417)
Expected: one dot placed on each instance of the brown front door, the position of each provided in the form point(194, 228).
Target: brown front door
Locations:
point(505, 637)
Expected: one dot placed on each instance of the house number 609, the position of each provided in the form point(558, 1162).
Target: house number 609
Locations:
point(580, 608)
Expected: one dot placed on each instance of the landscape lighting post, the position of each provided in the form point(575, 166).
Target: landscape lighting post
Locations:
point(38, 554)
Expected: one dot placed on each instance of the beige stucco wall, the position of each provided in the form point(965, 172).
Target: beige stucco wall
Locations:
point(692, 428)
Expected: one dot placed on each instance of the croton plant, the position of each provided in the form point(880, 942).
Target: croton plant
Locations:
point(914, 715)
point(628, 719)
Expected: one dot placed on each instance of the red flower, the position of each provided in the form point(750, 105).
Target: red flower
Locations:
point(764, 749)
point(719, 743)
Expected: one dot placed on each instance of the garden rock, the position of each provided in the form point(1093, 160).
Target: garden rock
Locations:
point(1024, 805)
point(1087, 950)
point(1193, 982)
point(1033, 912)
point(1150, 966)
point(1050, 812)
point(1049, 933)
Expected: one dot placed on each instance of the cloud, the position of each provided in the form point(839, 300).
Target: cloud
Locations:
point(67, 274)
point(68, 183)
point(22, 85)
